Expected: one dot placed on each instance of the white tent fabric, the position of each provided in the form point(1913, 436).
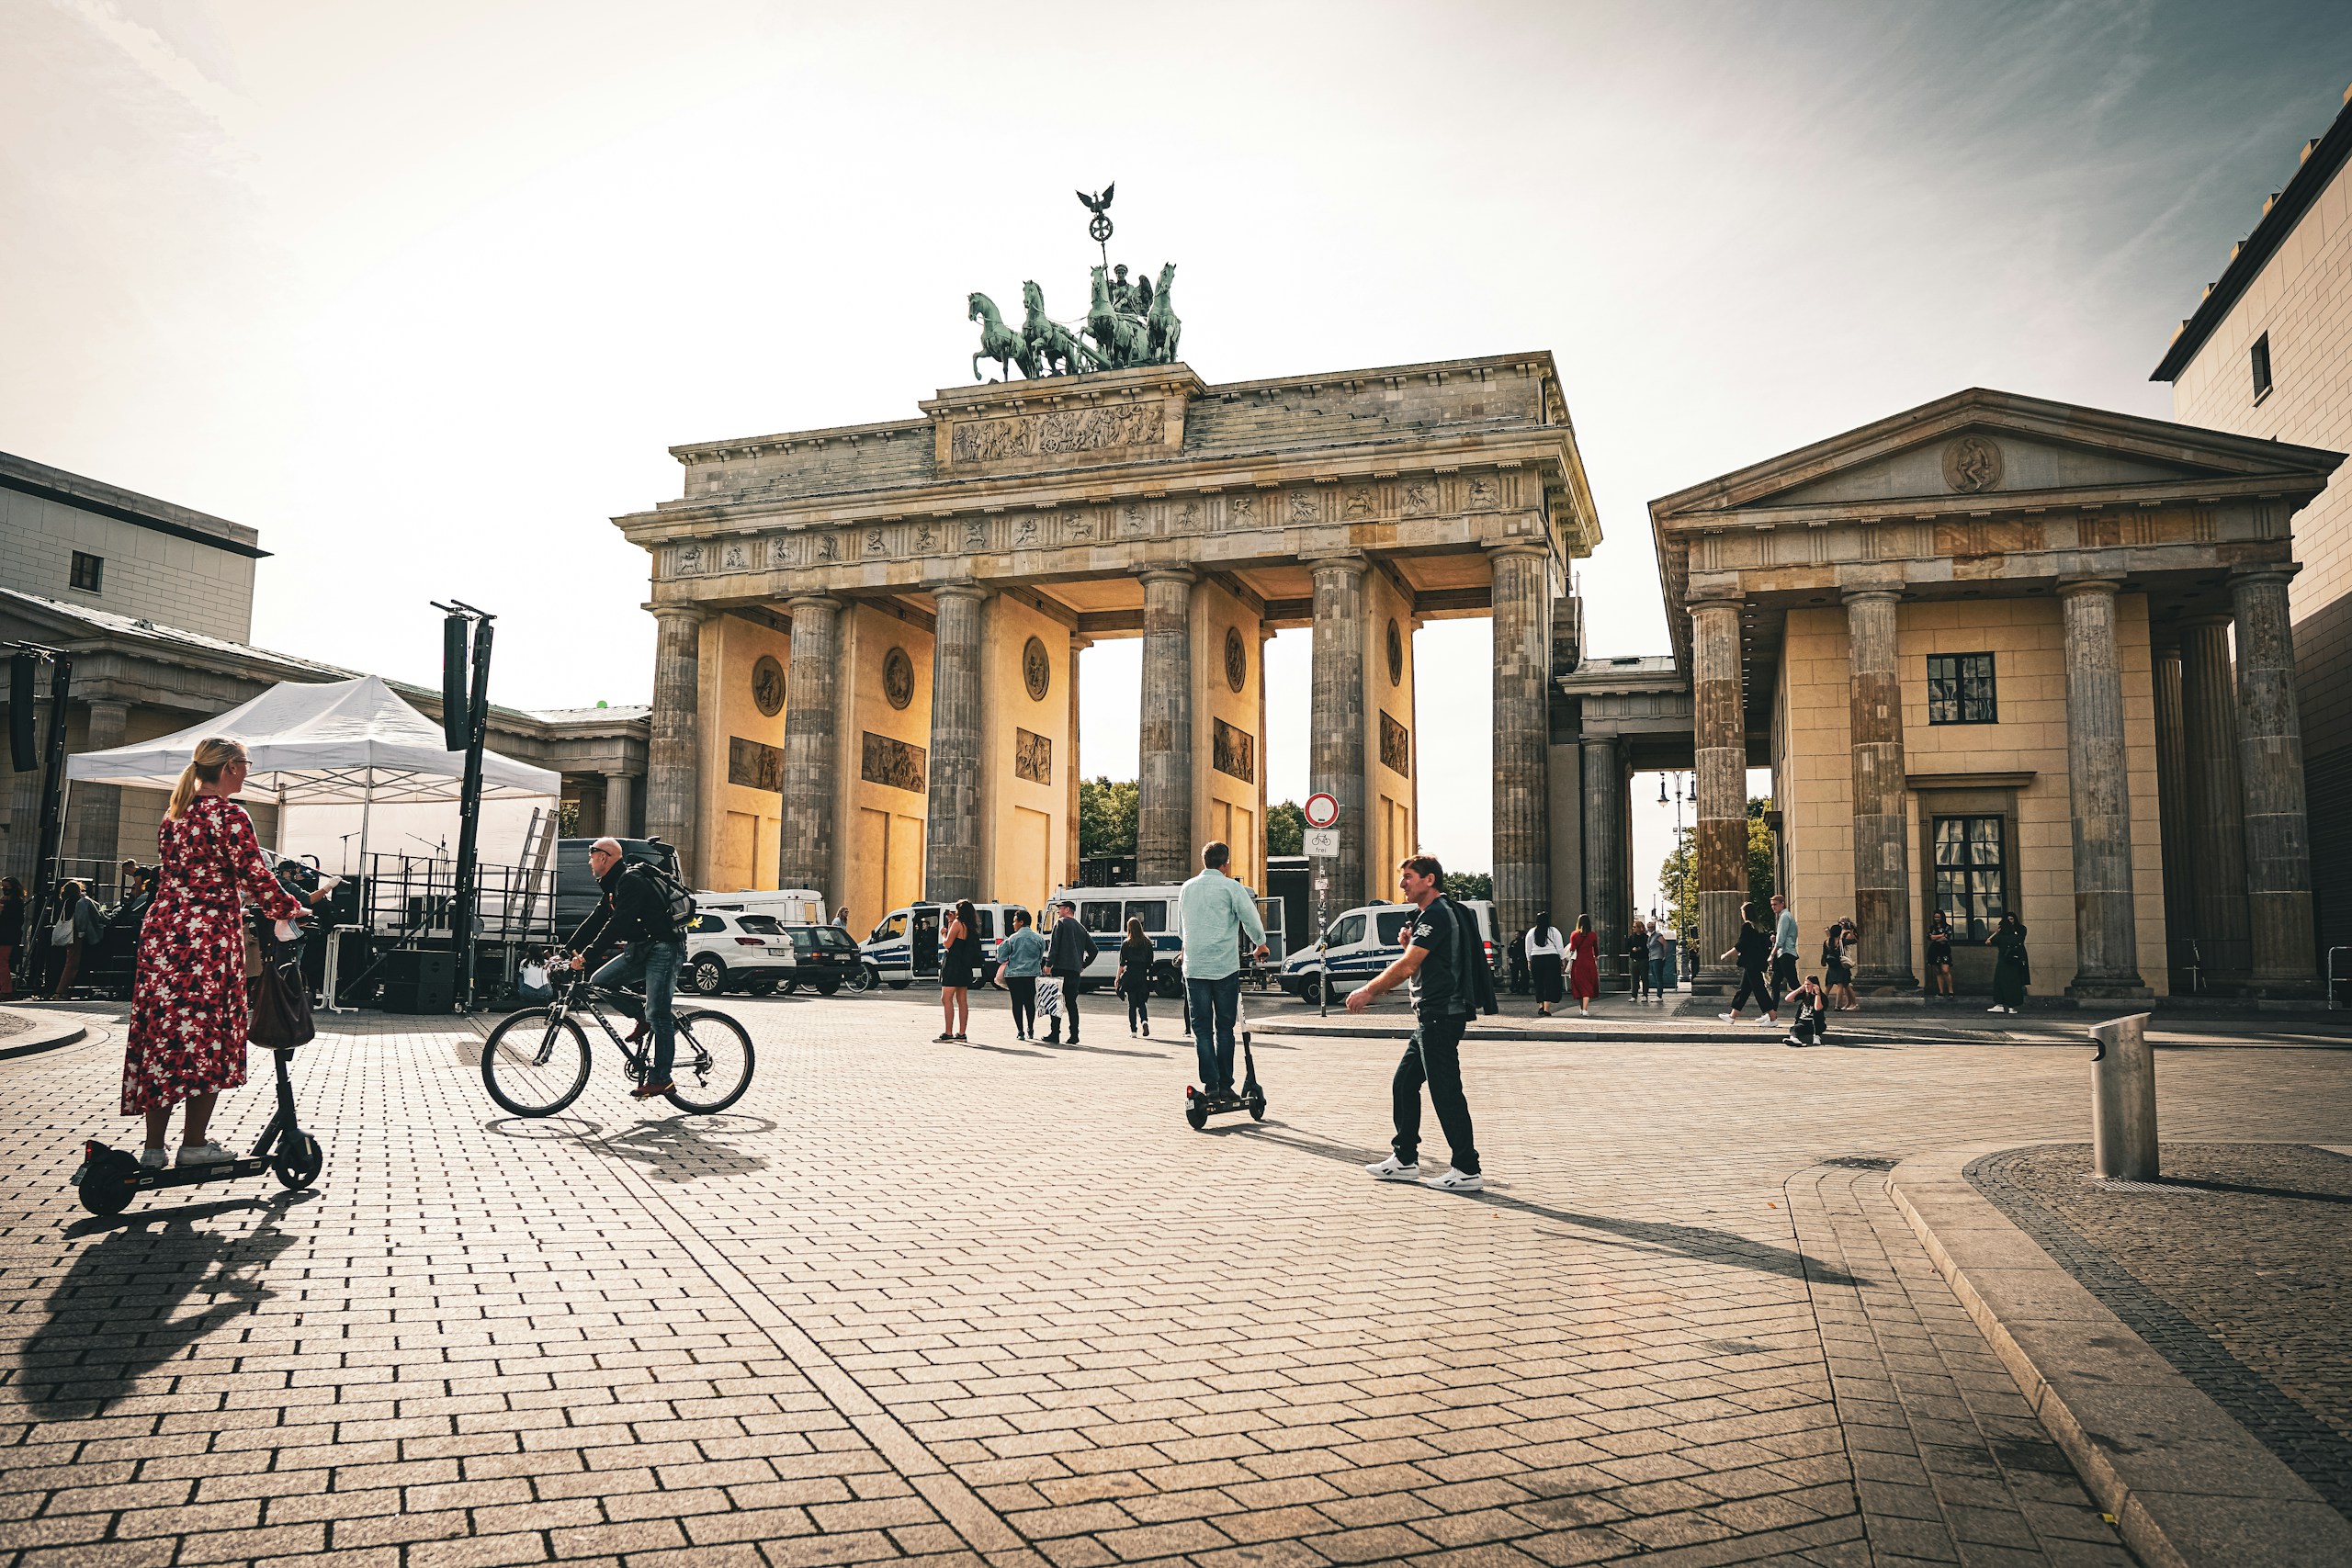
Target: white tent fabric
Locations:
point(354, 742)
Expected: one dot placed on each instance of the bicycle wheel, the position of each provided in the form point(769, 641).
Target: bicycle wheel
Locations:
point(534, 1064)
point(713, 1066)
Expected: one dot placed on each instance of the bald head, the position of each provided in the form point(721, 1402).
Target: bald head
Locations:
point(603, 855)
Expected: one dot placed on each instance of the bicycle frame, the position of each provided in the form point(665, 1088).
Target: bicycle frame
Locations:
point(575, 996)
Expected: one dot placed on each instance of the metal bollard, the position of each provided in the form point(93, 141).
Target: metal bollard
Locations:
point(2123, 1100)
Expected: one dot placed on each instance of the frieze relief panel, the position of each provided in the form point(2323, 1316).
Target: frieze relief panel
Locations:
point(1234, 752)
point(1033, 757)
point(893, 762)
point(1059, 432)
point(1396, 746)
point(753, 764)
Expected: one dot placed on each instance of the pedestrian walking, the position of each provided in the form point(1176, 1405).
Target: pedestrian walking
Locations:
point(1809, 1025)
point(960, 959)
point(189, 1015)
point(1753, 951)
point(1444, 967)
point(1217, 919)
point(77, 930)
point(2012, 970)
point(1939, 957)
point(1519, 963)
point(1133, 982)
point(1584, 965)
point(1661, 961)
point(841, 918)
point(1838, 964)
point(1021, 958)
point(1068, 953)
point(1544, 950)
point(1785, 940)
point(12, 932)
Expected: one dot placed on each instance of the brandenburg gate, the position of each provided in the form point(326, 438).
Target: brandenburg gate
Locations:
point(867, 675)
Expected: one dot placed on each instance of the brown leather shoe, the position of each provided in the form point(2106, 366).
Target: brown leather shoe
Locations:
point(653, 1090)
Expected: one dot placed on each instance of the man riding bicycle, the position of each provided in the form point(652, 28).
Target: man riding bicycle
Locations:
point(635, 910)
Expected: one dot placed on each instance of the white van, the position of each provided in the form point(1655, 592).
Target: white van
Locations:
point(904, 944)
point(1366, 940)
point(1105, 911)
point(789, 906)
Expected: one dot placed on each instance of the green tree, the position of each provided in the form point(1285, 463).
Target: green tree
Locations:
point(1285, 829)
point(1469, 885)
point(1106, 816)
point(1677, 878)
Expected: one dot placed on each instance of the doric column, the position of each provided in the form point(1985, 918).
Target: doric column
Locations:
point(620, 815)
point(2173, 816)
point(1522, 855)
point(2208, 729)
point(1719, 784)
point(1164, 847)
point(952, 837)
point(2106, 933)
point(1605, 896)
point(673, 746)
point(1335, 742)
point(1881, 866)
point(812, 746)
point(1076, 646)
point(97, 808)
point(2270, 765)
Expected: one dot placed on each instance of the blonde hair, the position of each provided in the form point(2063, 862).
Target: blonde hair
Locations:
point(213, 753)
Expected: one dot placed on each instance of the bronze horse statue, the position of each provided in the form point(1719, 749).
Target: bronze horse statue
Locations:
point(1119, 340)
point(1162, 324)
point(998, 342)
point(1056, 348)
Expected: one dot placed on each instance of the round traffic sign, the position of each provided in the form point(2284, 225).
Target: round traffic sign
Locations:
point(1322, 809)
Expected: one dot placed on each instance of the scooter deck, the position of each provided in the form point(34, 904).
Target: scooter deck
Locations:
point(140, 1178)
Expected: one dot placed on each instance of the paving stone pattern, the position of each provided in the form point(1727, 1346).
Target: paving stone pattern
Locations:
point(2236, 1267)
point(998, 1304)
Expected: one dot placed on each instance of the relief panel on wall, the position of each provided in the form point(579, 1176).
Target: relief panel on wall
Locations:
point(893, 762)
point(1032, 756)
point(1396, 746)
point(1234, 752)
point(754, 764)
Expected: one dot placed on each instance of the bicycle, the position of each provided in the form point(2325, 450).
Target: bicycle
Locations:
point(535, 1062)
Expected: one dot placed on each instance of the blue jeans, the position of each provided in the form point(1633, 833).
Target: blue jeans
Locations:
point(1658, 975)
point(1211, 1006)
point(657, 964)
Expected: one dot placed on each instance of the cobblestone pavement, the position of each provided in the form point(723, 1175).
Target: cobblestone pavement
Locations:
point(999, 1303)
point(2238, 1268)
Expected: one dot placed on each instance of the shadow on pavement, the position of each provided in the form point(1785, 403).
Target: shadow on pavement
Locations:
point(683, 1148)
point(114, 1317)
point(1658, 1235)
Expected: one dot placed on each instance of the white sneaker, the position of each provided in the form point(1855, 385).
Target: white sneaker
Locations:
point(1768, 1021)
point(205, 1154)
point(1729, 1017)
point(154, 1159)
point(1455, 1182)
point(1393, 1169)
point(1997, 1010)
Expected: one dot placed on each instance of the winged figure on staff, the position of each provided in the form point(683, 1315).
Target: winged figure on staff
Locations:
point(1126, 322)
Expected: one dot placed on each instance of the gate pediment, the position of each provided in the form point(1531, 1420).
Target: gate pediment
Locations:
point(1122, 415)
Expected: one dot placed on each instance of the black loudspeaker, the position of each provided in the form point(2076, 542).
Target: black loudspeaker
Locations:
point(421, 982)
point(456, 682)
point(24, 751)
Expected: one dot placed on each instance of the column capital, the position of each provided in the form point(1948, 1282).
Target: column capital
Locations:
point(1519, 548)
point(2194, 622)
point(972, 590)
point(1337, 561)
point(692, 615)
point(814, 600)
point(1871, 593)
point(1732, 601)
point(2283, 570)
point(2090, 582)
point(1183, 574)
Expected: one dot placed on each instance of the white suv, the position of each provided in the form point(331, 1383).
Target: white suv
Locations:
point(738, 952)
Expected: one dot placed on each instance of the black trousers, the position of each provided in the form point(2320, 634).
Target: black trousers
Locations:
point(1434, 1057)
point(1809, 1030)
point(1024, 1002)
point(1641, 971)
point(1784, 972)
point(1751, 981)
point(1139, 1008)
point(1069, 977)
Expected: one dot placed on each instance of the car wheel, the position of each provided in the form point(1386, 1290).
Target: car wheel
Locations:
point(710, 976)
point(760, 987)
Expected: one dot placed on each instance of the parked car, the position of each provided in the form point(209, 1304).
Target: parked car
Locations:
point(904, 944)
point(827, 958)
point(1366, 940)
point(792, 905)
point(728, 950)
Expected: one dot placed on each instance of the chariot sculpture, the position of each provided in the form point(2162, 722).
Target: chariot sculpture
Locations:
point(1125, 324)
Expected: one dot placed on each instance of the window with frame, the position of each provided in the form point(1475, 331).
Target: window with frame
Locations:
point(1960, 689)
point(1972, 885)
point(2259, 362)
point(88, 572)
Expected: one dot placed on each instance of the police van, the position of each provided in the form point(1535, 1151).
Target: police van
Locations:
point(904, 944)
point(1366, 940)
point(1105, 911)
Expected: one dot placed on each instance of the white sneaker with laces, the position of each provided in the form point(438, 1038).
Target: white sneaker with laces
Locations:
point(205, 1154)
point(1458, 1182)
point(154, 1159)
point(1768, 1021)
point(1997, 1010)
point(1393, 1169)
point(1729, 1017)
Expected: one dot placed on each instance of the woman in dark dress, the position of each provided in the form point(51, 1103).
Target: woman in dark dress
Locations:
point(1837, 972)
point(12, 932)
point(2012, 971)
point(959, 960)
point(1544, 950)
point(1939, 957)
point(1136, 956)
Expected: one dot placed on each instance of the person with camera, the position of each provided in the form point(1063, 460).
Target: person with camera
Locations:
point(636, 910)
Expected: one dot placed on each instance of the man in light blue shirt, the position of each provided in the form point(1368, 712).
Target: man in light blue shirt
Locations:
point(1784, 949)
point(1213, 913)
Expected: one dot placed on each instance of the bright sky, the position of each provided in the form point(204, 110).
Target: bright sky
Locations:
point(425, 291)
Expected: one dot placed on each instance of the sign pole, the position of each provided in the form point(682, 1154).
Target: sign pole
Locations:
point(1322, 813)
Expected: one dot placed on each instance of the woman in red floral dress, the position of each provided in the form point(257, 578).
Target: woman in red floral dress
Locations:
point(188, 1014)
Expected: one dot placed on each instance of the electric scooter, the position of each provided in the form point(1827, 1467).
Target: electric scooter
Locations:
point(110, 1178)
point(1200, 1105)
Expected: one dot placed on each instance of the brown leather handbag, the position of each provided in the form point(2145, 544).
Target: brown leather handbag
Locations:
point(278, 997)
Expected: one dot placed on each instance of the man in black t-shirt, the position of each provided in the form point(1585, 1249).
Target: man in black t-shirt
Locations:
point(1438, 952)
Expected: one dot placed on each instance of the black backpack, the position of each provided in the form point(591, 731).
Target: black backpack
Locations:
point(675, 894)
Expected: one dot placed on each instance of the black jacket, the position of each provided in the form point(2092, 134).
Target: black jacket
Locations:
point(1070, 948)
point(634, 909)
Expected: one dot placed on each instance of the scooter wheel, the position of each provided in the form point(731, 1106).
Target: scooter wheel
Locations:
point(105, 1188)
point(1196, 1112)
point(1256, 1108)
point(299, 1165)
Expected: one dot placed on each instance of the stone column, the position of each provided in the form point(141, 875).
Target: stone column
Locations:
point(97, 808)
point(1719, 786)
point(1522, 630)
point(620, 790)
point(1164, 847)
point(1335, 744)
point(2173, 816)
point(673, 747)
point(1882, 863)
point(1265, 639)
point(1604, 895)
point(811, 747)
point(2208, 729)
point(2106, 932)
point(2270, 765)
point(1076, 646)
point(952, 837)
